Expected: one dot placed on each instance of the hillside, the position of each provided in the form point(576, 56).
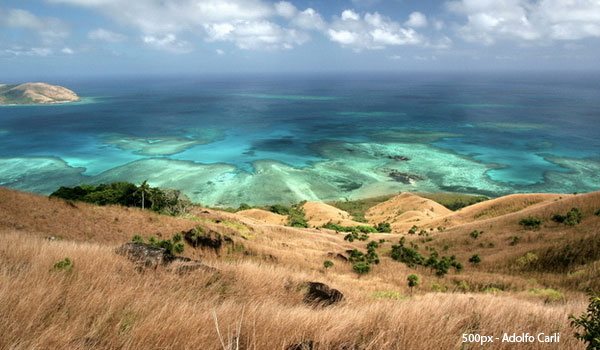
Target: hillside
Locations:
point(252, 294)
point(35, 93)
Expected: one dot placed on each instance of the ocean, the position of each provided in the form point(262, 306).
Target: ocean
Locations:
point(263, 139)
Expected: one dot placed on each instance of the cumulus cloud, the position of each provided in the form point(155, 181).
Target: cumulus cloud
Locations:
point(49, 29)
point(416, 20)
point(249, 24)
point(252, 35)
point(371, 31)
point(488, 21)
point(102, 34)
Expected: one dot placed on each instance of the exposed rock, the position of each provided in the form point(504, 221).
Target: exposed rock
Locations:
point(145, 254)
point(198, 237)
point(399, 158)
point(404, 178)
point(36, 93)
point(321, 294)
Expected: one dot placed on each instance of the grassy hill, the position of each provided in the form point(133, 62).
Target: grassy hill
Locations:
point(530, 277)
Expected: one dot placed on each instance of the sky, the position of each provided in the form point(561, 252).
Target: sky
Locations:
point(142, 37)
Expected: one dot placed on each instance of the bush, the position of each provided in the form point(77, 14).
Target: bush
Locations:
point(589, 324)
point(63, 265)
point(295, 214)
point(413, 230)
point(327, 264)
point(530, 223)
point(244, 206)
point(475, 234)
point(475, 259)
point(384, 227)
point(572, 218)
point(597, 213)
point(409, 256)
point(171, 202)
point(413, 281)
point(361, 268)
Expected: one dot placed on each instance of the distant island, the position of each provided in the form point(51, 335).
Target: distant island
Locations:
point(35, 93)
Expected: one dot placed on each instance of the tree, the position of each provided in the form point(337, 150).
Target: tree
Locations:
point(590, 324)
point(413, 281)
point(144, 189)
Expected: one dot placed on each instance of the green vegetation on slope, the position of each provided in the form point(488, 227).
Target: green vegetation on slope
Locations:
point(166, 201)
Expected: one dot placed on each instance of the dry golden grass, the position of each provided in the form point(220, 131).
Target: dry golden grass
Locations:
point(318, 214)
point(256, 296)
point(405, 210)
point(103, 304)
point(264, 216)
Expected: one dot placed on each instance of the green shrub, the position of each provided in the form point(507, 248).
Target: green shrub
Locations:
point(588, 324)
point(597, 213)
point(171, 202)
point(413, 230)
point(361, 268)
point(475, 259)
point(244, 206)
point(63, 265)
point(173, 246)
point(406, 255)
point(475, 234)
point(295, 214)
point(413, 281)
point(384, 227)
point(572, 218)
point(530, 223)
point(327, 264)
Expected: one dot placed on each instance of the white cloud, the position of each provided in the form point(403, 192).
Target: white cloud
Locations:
point(286, 9)
point(67, 51)
point(249, 24)
point(168, 42)
point(372, 31)
point(253, 35)
point(416, 20)
point(309, 19)
point(220, 52)
point(343, 37)
point(529, 21)
point(49, 29)
point(102, 34)
point(350, 15)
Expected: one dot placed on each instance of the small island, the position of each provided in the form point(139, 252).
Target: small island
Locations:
point(35, 93)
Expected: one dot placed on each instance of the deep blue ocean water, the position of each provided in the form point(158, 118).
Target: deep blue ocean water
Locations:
point(259, 139)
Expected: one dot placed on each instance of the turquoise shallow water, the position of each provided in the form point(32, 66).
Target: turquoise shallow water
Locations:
point(267, 139)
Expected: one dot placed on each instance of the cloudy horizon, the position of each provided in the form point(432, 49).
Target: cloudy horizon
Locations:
point(91, 37)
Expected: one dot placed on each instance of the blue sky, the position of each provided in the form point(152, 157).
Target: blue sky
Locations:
point(105, 37)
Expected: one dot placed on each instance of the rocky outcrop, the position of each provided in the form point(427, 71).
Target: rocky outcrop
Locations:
point(145, 255)
point(35, 93)
point(320, 294)
point(199, 237)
